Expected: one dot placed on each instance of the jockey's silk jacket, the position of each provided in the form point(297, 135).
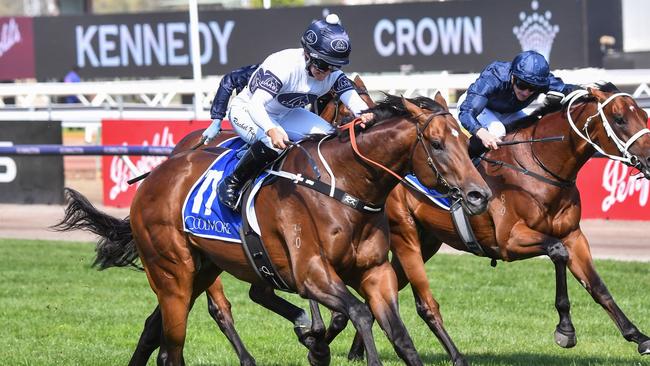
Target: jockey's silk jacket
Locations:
point(493, 90)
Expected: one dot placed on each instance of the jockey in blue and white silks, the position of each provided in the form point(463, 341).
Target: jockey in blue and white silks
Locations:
point(269, 111)
point(503, 89)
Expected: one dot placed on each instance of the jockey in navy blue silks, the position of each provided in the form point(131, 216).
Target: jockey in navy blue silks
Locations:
point(234, 80)
point(503, 89)
point(269, 110)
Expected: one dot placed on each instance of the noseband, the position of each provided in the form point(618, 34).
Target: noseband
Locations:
point(622, 146)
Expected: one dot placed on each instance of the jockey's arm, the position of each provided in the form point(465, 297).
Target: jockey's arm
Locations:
point(353, 101)
point(259, 115)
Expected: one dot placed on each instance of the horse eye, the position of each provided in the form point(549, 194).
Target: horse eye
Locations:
point(619, 120)
point(436, 145)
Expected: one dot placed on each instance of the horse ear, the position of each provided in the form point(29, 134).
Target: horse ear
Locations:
point(441, 100)
point(599, 94)
point(413, 109)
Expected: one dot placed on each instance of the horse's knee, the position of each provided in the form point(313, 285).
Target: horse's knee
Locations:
point(339, 320)
point(361, 314)
point(557, 252)
point(429, 313)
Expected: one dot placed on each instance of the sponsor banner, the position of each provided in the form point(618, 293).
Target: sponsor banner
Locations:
point(116, 170)
point(610, 190)
point(16, 48)
point(460, 36)
point(31, 179)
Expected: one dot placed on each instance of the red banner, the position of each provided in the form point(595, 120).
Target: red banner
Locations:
point(16, 48)
point(116, 170)
point(611, 190)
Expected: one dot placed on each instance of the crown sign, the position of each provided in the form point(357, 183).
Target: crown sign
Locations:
point(536, 32)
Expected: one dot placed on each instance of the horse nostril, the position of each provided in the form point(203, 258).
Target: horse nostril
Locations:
point(476, 197)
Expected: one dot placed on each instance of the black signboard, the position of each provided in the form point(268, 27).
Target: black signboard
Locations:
point(458, 36)
point(31, 179)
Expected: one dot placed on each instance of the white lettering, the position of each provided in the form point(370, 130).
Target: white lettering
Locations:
point(9, 36)
point(387, 49)
point(155, 44)
point(174, 44)
point(404, 36)
point(107, 45)
point(84, 48)
point(222, 37)
point(119, 172)
point(206, 55)
point(131, 45)
point(10, 170)
point(620, 185)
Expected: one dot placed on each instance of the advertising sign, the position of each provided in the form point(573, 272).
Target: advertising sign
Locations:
point(31, 179)
point(612, 190)
point(460, 36)
point(116, 170)
point(16, 48)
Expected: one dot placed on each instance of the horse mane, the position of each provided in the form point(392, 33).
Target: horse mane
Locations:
point(393, 106)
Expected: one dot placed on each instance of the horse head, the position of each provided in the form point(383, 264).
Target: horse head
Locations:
point(622, 133)
point(440, 159)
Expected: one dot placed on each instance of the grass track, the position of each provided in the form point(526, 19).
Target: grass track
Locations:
point(56, 310)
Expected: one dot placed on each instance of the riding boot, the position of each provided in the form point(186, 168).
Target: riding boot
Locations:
point(253, 161)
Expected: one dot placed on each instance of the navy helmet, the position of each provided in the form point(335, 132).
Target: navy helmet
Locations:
point(532, 68)
point(328, 41)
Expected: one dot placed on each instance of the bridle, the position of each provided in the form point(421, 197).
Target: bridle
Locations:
point(453, 192)
point(622, 146)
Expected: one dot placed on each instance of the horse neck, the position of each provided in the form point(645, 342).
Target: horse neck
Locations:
point(573, 152)
point(389, 144)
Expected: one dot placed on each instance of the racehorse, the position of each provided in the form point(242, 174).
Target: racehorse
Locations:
point(317, 246)
point(536, 209)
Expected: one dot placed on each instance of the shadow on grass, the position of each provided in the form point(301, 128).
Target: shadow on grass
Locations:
point(527, 359)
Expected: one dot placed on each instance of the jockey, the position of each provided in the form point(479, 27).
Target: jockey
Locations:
point(495, 101)
point(269, 111)
point(234, 80)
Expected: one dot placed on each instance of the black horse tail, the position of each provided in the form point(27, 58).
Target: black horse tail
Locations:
point(116, 247)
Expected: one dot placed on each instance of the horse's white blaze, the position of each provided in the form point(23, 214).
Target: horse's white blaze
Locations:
point(454, 132)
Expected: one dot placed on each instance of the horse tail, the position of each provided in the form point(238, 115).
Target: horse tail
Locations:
point(116, 247)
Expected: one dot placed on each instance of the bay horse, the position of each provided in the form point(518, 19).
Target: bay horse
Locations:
point(317, 245)
point(531, 214)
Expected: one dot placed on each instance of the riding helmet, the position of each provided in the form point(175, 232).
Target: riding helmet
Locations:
point(531, 67)
point(327, 40)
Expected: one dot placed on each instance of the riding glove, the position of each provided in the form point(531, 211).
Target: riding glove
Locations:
point(211, 132)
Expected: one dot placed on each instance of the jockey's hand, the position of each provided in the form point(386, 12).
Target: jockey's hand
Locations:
point(211, 132)
point(365, 118)
point(489, 140)
point(278, 137)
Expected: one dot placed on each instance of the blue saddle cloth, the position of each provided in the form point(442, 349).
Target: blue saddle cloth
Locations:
point(203, 213)
point(441, 202)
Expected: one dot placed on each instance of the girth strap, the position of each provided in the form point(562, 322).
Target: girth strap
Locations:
point(327, 190)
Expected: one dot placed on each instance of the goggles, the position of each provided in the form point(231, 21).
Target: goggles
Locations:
point(520, 84)
point(323, 66)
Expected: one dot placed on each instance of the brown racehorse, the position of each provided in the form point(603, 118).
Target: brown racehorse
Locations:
point(529, 216)
point(346, 247)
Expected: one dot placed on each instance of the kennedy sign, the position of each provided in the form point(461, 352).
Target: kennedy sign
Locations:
point(459, 36)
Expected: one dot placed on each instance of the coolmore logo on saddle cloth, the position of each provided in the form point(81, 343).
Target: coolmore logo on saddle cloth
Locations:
point(203, 213)
point(430, 193)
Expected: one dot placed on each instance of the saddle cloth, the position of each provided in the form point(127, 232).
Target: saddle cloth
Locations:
point(203, 213)
point(441, 202)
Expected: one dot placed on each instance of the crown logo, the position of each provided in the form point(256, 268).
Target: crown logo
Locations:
point(536, 32)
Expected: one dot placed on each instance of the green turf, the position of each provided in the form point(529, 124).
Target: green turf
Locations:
point(56, 310)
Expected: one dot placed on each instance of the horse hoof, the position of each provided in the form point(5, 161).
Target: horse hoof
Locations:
point(321, 358)
point(644, 347)
point(248, 362)
point(461, 362)
point(565, 340)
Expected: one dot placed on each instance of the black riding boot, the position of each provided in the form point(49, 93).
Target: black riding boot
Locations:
point(253, 161)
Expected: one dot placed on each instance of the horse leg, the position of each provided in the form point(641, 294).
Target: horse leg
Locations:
point(379, 286)
point(526, 241)
point(149, 339)
point(220, 310)
point(266, 297)
point(582, 267)
point(319, 351)
point(328, 289)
